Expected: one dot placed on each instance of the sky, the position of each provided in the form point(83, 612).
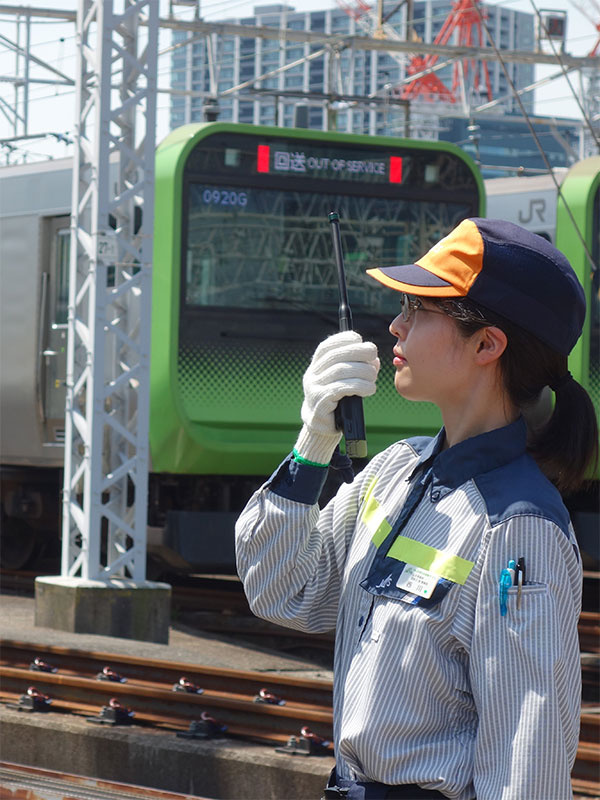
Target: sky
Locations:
point(52, 108)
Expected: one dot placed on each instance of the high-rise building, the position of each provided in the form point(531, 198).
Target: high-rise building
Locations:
point(294, 96)
point(502, 145)
point(360, 91)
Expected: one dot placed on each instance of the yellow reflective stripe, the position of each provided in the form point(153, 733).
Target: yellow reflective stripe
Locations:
point(373, 516)
point(446, 565)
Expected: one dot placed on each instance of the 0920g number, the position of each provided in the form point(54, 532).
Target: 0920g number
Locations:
point(224, 197)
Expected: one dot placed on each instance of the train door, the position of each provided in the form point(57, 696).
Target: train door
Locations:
point(53, 330)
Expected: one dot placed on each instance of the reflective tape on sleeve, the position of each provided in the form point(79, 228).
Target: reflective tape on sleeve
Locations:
point(373, 516)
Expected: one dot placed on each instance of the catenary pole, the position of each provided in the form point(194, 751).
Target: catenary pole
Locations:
point(106, 431)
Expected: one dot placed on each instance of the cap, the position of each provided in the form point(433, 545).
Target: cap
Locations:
point(504, 268)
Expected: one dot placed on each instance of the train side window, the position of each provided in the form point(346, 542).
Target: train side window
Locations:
point(61, 250)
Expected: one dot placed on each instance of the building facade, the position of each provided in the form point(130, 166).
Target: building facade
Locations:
point(212, 66)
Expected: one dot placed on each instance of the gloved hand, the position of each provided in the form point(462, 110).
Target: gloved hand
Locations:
point(342, 365)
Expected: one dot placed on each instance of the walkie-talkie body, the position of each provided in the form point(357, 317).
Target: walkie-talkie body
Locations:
point(349, 414)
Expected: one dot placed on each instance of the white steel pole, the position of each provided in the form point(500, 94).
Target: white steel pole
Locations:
point(108, 356)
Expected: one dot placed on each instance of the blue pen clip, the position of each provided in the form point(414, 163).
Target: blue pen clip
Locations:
point(503, 586)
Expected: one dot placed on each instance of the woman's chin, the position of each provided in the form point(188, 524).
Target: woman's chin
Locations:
point(404, 388)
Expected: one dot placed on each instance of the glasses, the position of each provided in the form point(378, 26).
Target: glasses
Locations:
point(409, 304)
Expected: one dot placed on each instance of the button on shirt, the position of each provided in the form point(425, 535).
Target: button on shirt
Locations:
point(432, 684)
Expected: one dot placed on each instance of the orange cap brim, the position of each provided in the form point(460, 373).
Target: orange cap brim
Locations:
point(449, 269)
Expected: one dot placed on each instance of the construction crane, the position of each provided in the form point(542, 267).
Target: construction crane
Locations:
point(595, 21)
point(463, 22)
point(372, 23)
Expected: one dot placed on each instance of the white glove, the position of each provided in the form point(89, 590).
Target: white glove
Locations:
point(342, 365)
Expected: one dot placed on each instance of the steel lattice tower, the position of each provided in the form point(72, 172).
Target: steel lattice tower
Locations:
point(106, 432)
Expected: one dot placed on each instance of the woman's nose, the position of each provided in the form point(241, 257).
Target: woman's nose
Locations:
point(398, 327)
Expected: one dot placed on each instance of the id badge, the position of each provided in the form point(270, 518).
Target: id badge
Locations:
point(417, 581)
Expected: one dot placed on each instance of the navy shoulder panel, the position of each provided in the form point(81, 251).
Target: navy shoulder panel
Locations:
point(520, 487)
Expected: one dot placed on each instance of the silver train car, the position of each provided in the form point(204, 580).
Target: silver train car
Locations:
point(35, 204)
point(527, 201)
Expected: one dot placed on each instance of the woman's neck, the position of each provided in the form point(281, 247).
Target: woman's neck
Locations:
point(481, 411)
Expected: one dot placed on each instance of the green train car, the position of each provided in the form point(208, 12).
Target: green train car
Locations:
point(578, 237)
point(245, 286)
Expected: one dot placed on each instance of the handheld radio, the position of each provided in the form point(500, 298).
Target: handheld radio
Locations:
point(349, 416)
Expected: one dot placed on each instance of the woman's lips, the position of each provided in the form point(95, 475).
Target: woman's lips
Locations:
point(399, 360)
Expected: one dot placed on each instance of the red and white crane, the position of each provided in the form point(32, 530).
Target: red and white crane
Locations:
point(462, 27)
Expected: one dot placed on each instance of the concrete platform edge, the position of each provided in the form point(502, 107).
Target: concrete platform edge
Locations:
point(223, 769)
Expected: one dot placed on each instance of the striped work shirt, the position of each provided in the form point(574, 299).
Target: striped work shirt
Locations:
point(433, 684)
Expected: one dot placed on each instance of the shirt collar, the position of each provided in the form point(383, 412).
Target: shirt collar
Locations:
point(452, 467)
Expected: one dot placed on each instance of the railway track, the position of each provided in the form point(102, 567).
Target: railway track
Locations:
point(32, 783)
point(228, 700)
point(243, 702)
point(229, 695)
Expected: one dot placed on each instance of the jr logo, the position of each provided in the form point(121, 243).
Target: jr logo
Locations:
point(536, 207)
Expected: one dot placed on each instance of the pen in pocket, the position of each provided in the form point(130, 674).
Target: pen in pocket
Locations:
point(504, 584)
point(520, 580)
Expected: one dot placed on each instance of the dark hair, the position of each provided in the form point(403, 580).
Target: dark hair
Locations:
point(565, 446)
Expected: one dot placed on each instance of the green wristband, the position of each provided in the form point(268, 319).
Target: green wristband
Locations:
point(301, 460)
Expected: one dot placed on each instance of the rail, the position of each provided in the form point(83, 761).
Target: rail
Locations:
point(229, 698)
point(245, 702)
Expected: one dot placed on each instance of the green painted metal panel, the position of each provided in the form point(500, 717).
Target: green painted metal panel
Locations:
point(577, 236)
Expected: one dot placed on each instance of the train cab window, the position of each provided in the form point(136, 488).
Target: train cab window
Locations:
point(271, 250)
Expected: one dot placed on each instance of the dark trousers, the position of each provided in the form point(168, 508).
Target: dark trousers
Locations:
point(360, 790)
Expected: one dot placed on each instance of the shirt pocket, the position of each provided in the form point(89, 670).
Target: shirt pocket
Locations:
point(529, 589)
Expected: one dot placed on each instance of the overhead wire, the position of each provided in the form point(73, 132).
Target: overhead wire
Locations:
point(565, 74)
point(535, 137)
point(226, 60)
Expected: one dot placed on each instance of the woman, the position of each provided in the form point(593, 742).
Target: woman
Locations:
point(448, 567)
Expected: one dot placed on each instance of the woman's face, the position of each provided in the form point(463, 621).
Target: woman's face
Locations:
point(430, 357)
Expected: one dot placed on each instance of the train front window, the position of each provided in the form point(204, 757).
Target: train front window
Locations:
point(271, 250)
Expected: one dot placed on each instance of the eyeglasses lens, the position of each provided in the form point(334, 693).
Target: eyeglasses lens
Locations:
point(405, 307)
point(408, 306)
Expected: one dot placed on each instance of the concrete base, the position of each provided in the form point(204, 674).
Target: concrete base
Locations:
point(121, 608)
point(219, 768)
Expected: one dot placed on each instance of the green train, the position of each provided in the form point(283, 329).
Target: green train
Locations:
point(244, 288)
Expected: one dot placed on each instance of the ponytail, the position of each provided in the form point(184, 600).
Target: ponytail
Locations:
point(566, 447)
point(565, 444)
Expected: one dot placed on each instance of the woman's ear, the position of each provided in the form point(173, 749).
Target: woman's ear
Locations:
point(490, 343)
